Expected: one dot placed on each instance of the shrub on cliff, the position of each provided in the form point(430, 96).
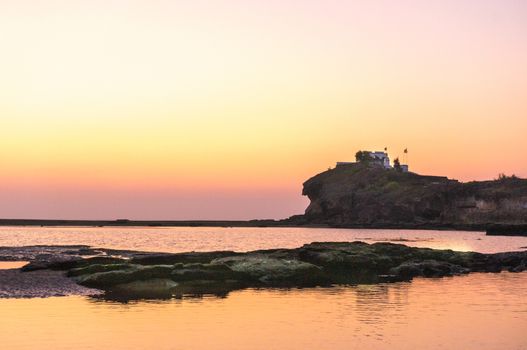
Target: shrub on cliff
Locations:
point(363, 156)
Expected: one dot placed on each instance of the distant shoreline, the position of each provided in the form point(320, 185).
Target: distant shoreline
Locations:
point(490, 228)
point(141, 223)
point(225, 223)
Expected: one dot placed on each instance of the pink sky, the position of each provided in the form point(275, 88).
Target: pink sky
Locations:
point(222, 109)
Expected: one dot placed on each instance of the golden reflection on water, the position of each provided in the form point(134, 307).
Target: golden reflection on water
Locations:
point(478, 311)
point(5, 265)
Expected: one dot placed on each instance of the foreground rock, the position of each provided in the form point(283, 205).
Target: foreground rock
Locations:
point(126, 274)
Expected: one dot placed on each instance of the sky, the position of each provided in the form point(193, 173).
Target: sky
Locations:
point(222, 109)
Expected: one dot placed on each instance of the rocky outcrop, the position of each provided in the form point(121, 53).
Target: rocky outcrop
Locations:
point(138, 275)
point(365, 195)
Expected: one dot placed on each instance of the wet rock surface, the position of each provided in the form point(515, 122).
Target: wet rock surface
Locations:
point(39, 284)
point(120, 274)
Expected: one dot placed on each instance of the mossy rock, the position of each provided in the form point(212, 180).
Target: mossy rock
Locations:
point(184, 258)
point(159, 288)
point(427, 268)
point(91, 269)
point(271, 271)
point(214, 272)
point(104, 280)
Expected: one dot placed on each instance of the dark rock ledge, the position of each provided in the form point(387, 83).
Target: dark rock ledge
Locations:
point(130, 274)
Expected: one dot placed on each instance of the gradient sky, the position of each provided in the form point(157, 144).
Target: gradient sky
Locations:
point(222, 108)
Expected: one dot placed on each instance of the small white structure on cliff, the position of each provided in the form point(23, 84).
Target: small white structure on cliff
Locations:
point(380, 157)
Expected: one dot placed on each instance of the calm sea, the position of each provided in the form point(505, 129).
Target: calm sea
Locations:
point(478, 311)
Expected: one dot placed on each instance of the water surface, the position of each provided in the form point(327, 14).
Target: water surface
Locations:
point(6, 265)
point(477, 311)
point(179, 239)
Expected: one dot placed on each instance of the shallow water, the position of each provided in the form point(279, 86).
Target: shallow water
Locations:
point(6, 265)
point(477, 311)
point(178, 239)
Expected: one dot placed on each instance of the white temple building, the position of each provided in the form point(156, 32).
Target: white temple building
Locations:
point(382, 158)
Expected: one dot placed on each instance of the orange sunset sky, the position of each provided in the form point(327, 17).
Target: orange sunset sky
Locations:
point(221, 109)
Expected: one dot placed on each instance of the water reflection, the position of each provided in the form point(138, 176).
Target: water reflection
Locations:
point(484, 311)
point(219, 290)
point(6, 265)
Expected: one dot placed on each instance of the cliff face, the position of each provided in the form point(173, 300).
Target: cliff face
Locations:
point(367, 195)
